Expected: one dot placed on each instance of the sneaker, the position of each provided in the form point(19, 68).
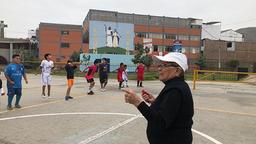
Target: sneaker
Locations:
point(9, 107)
point(70, 97)
point(17, 106)
point(43, 96)
point(90, 93)
point(66, 98)
point(49, 97)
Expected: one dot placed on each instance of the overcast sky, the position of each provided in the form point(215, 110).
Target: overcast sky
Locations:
point(22, 15)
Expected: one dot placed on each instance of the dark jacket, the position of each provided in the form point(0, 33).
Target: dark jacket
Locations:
point(70, 69)
point(170, 115)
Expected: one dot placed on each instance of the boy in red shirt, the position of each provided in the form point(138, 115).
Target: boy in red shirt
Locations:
point(119, 75)
point(140, 74)
point(90, 75)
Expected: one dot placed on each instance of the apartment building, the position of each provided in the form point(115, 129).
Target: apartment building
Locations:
point(112, 32)
point(61, 40)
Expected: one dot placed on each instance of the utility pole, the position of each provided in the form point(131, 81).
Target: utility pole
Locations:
point(219, 53)
point(2, 26)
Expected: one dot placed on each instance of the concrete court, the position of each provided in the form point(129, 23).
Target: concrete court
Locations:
point(225, 113)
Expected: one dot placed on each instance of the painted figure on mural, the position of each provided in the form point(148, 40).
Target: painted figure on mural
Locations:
point(109, 35)
point(116, 38)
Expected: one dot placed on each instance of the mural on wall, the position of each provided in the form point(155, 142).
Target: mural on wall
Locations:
point(84, 62)
point(114, 61)
point(110, 37)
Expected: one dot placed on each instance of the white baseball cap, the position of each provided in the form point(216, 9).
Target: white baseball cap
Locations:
point(176, 57)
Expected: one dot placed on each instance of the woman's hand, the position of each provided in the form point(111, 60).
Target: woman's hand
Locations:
point(131, 97)
point(149, 98)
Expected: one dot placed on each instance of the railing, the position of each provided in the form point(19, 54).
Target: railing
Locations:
point(223, 76)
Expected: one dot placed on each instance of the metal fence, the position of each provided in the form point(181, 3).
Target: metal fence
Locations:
point(223, 76)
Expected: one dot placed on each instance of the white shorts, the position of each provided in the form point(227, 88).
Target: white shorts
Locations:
point(46, 79)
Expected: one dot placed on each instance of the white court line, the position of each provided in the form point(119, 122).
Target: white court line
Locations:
point(206, 136)
point(58, 114)
point(97, 136)
point(101, 134)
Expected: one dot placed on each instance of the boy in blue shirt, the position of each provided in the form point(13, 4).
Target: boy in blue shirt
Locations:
point(13, 73)
point(103, 73)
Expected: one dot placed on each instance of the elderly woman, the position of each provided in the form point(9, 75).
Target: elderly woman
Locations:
point(169, 115)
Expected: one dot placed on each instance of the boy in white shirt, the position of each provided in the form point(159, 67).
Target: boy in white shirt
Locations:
point(125, 76)
point(46, 67)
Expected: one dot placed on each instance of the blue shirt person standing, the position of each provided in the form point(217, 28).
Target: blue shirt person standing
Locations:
point(103, 73)
point(13, 73)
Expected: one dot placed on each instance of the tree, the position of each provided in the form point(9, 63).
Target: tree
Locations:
point(147, 60)
point(201, 62)
point(142, 56)
point(138, 53)
point(233, 64)
point(75, 56)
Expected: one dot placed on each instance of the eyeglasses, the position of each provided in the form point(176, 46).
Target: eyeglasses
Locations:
point(167, 65)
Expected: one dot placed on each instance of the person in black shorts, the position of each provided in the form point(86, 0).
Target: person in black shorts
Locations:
point(103, 73)
point(90, 75)
point(70, 70)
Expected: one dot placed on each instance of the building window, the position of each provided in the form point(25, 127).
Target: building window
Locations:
point(195, 50)
point(185, 50)
point(64, 45)
point(194, 38)
point(195, 26)
point(155, 35)
point(168, 48)
point(64, 32)
point(170, 36)
point(155, 48)
point(183, 37)
point(161, 48)
point(231, 46)
point(141, 34)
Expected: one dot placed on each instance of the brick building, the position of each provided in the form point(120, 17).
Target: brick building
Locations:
point(61, 40)
point(159, 31)
point(218, 53)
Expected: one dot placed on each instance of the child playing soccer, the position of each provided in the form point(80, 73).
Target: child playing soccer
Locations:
point(125, 76)
point(140, 74)
point(90, 75)
point(119, 75)
point(70, 69)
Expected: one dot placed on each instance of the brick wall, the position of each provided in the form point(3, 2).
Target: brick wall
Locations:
point(215, 51)
point(51, 37)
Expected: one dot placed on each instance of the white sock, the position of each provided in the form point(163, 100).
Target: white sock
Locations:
point(2, 91)
point(90, 89)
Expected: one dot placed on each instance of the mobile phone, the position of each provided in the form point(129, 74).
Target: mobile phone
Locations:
point(144, 92)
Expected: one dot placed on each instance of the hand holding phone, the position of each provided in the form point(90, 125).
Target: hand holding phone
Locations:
point(143, 92)
point(146, 96)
